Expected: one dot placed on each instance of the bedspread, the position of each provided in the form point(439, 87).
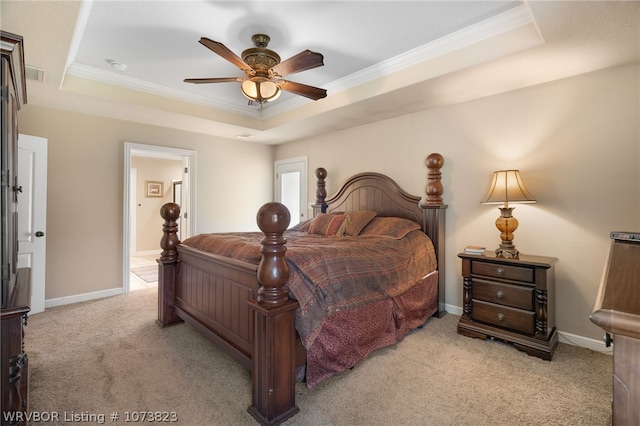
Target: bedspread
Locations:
point(356, 294)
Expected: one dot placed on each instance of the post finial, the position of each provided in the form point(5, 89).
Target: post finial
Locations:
point(321, 193)
point(273, 272)
point(170, 212)
point(434, 163)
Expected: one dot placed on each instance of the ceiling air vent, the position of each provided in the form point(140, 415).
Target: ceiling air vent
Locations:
point(34, 74)
point(244, 135)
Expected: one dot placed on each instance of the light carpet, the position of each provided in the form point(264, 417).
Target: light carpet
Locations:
point(109, 356)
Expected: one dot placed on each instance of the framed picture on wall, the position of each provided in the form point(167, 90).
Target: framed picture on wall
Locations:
point(153, 188)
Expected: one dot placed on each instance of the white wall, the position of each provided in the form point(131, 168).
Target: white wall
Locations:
point(576, 143)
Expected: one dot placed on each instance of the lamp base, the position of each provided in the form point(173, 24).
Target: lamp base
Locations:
point(507, 252)
point(507, 224)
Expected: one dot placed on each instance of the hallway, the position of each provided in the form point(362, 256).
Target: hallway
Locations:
point(143, 272)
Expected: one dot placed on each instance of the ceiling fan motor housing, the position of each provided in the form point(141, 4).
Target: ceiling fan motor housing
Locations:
point(260, 58)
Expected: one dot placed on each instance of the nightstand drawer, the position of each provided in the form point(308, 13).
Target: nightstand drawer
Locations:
point(503, 316)
point(502, 271)
point(504, 294)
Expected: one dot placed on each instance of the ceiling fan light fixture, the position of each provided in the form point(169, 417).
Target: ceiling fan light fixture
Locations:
point(264, 71)
point(260, 89)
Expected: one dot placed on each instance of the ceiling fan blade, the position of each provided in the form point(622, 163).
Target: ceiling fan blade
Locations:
point(303, 61)
point(213, 80)
point(310, 92)
point(227, 54)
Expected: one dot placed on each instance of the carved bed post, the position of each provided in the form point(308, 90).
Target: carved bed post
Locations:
point(274, 338)
point(321, 193)
point(168, 265)
point(434, 190)
point(434, 215)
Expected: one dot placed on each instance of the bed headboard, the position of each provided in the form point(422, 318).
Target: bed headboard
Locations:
point(379, 193)
point(375, 192)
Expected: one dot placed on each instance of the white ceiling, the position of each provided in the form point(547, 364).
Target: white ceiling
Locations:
point(382, 58)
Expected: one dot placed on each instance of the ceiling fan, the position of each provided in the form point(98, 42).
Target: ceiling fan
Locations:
point(264, 71)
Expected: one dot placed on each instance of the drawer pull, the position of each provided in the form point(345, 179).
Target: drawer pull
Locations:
point(500, 271)
point(500, 317)
point(500, 295)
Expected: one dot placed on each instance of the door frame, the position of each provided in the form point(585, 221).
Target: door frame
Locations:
point(188, 158)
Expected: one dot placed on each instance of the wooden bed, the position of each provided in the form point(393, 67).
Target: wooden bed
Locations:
point(246, 309)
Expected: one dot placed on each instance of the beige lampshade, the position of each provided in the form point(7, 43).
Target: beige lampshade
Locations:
point(507, 187)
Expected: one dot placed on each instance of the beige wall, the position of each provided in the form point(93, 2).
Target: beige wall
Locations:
point(85, 191)
point(576, 142)
point(148, 221)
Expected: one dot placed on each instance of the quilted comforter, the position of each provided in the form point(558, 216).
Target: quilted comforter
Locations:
point(356, 294)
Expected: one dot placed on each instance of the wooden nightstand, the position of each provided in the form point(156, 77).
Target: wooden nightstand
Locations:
point(510, 300)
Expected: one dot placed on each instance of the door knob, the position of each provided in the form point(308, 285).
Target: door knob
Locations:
point(39, 234)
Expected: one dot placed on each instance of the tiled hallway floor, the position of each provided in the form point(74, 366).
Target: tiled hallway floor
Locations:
point(135, 282)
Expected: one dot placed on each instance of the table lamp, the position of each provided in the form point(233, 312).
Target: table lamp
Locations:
point(507, 187)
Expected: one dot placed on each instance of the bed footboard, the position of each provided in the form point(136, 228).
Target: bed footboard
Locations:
point(268, 349)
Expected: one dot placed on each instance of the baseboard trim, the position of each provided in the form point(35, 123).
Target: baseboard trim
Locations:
point(60, 301)
point(455, 310)
point(585, 342)
point(563, 336)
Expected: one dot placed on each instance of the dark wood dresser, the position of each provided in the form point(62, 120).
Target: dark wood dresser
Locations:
point(510, 299)
point(617, 311)
point(16, 283)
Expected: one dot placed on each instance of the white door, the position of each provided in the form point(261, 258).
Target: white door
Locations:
point(291, 187)
point(32, 213)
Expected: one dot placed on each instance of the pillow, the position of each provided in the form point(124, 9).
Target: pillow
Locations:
point(356, 221)
point(302, 226)
point(393, 227)
point(326, 224)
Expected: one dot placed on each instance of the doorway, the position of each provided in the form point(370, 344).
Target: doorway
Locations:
point(154, 190)
point(291, 187)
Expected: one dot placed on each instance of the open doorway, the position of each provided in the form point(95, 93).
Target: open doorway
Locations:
point(290, 186)
point(152, 176)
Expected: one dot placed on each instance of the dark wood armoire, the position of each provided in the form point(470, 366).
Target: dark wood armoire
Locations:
point(16, 282)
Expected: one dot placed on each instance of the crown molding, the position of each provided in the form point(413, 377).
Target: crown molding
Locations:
point(489, 28)
point(495, 26)
point(96, 74)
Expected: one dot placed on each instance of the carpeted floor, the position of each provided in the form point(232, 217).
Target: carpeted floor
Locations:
point(108, 356)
